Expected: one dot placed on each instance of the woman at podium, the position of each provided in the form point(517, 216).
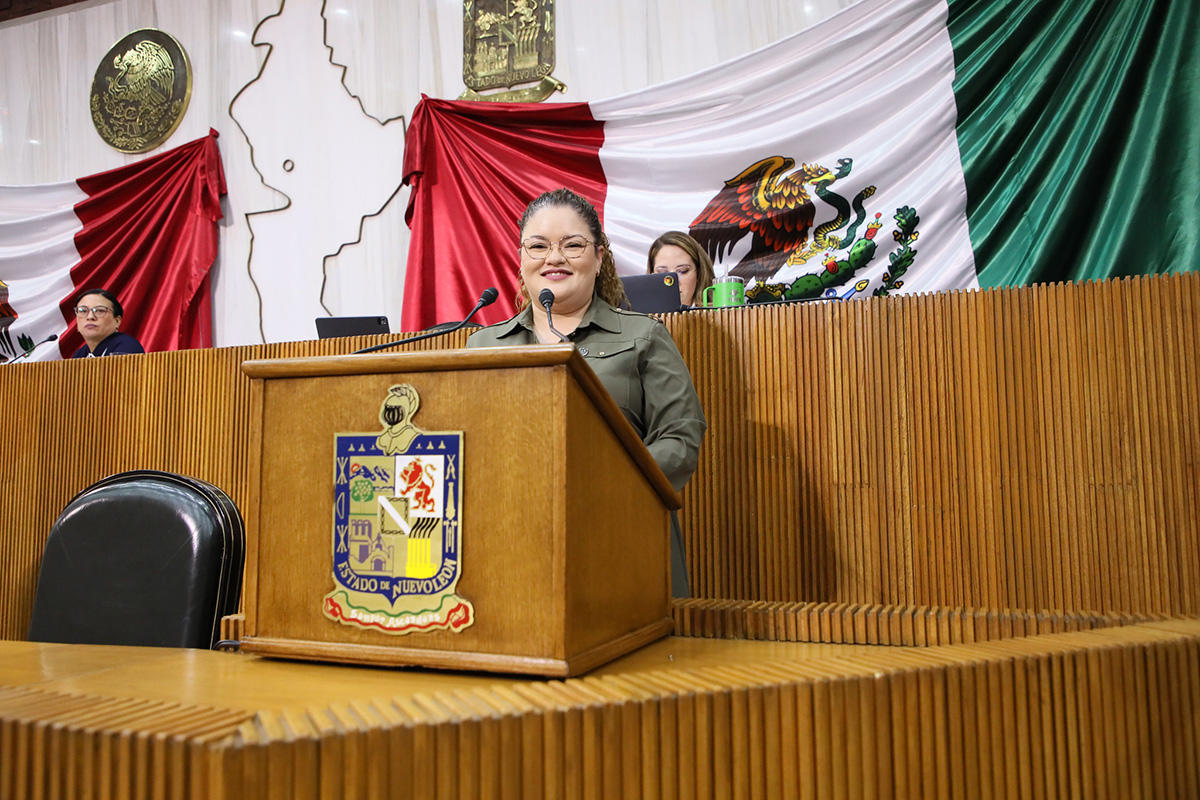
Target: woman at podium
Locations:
point(567, 266)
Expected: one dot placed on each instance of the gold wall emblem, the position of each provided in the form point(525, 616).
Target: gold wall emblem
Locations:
point(141, 91)
point(506, 43)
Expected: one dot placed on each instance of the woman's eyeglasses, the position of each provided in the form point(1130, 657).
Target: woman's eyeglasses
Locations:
point(539, 249)
point(99, 311)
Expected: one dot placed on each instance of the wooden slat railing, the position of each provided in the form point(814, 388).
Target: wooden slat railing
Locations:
point(1012, 449)
point(1026, 448)
point(1101, 713)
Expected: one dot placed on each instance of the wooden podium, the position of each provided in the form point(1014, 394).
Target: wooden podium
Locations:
point(562, 519)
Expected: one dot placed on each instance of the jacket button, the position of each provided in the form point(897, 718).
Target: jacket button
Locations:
point(583, 351)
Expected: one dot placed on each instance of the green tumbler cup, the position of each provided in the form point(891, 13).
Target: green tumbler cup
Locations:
point(727, 291)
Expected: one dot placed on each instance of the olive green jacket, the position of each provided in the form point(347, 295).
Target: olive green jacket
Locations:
point(637, 361)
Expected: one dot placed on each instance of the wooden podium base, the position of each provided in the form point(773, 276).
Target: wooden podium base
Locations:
point(559, 552)
point(379, 655)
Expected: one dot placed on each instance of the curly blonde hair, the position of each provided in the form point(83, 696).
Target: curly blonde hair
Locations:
point(608, 284)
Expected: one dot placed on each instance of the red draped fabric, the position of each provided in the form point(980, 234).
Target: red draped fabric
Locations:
point(473, 168)
point(150, 237)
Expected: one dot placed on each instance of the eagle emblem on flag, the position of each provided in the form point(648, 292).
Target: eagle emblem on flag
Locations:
point(396, 525)
point(772, 201)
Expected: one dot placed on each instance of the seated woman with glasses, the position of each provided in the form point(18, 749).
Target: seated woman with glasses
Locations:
point(676, 251)
point(564, 250)
point(98, 315)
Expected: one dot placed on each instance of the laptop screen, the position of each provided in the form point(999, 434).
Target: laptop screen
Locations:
point(333, 327)
point(656, 293)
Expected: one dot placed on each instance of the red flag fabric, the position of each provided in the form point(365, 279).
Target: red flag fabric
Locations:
point(466, 199)
point(149, 235)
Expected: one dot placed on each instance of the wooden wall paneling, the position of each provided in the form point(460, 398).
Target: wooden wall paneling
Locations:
point(1188, 666)
point(676, 746)
point(1058, 509)
point(1032, 400)
point(1178, 375)
point(1021, 477)
point(1107, 420)
point(933, 545)
point(736, 376)
point(919, 471)
point(1148, 455)
point(877, 407)
point(784, 532)
point(760, 524)
point(659, 734)
point(966, 347)
point(835, 407)
point(526, 731)
point(18, 496)
point(990, 492)
point(806, 427)
point(1012, 449)
point(1184, 549)
point(1045, 502)
point(1175, 377)
point(1137, 722)
point(1118, 541)
point(975, 398)
point(875, 416)
point(928, 545)
point(1141, 479)
point(717, 519)
point(1177, 671)
point(1158, 455)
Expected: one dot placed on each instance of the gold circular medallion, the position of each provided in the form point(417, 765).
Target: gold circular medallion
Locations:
point(141, 91)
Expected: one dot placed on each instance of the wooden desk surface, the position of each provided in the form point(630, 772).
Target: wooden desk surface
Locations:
point(252, 683)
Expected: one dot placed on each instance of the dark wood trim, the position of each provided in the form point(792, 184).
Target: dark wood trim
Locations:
point(14, 9)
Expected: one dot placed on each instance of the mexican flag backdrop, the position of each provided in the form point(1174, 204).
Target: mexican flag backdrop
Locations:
point(898, 146)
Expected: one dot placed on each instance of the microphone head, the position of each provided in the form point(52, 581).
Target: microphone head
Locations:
point(546, 297)
point(489, 296)
point(52, 337)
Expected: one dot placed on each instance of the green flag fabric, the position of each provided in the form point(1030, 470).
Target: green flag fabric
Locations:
point(1079, 133)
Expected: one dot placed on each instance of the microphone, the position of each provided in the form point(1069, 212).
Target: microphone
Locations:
point(486, 299)
point(546, 298)
point(29, 352)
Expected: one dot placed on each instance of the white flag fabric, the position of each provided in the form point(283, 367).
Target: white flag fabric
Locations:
point(867, 91)
point(37, 249)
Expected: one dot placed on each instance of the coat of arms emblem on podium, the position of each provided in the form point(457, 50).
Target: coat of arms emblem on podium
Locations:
point(397, 517)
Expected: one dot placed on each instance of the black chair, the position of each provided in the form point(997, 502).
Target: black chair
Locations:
point(141, 558)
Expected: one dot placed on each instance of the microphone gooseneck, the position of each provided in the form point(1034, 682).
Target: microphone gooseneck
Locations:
point(486, 299)
point(29, 352)
point(546, 298)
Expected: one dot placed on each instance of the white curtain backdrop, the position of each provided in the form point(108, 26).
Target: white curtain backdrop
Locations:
point(311, 104)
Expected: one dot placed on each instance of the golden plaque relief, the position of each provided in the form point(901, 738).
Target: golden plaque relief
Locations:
point(141, 91)
point(506, 43)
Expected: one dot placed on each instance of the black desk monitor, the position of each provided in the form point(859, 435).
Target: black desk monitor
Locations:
point(333, 327)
